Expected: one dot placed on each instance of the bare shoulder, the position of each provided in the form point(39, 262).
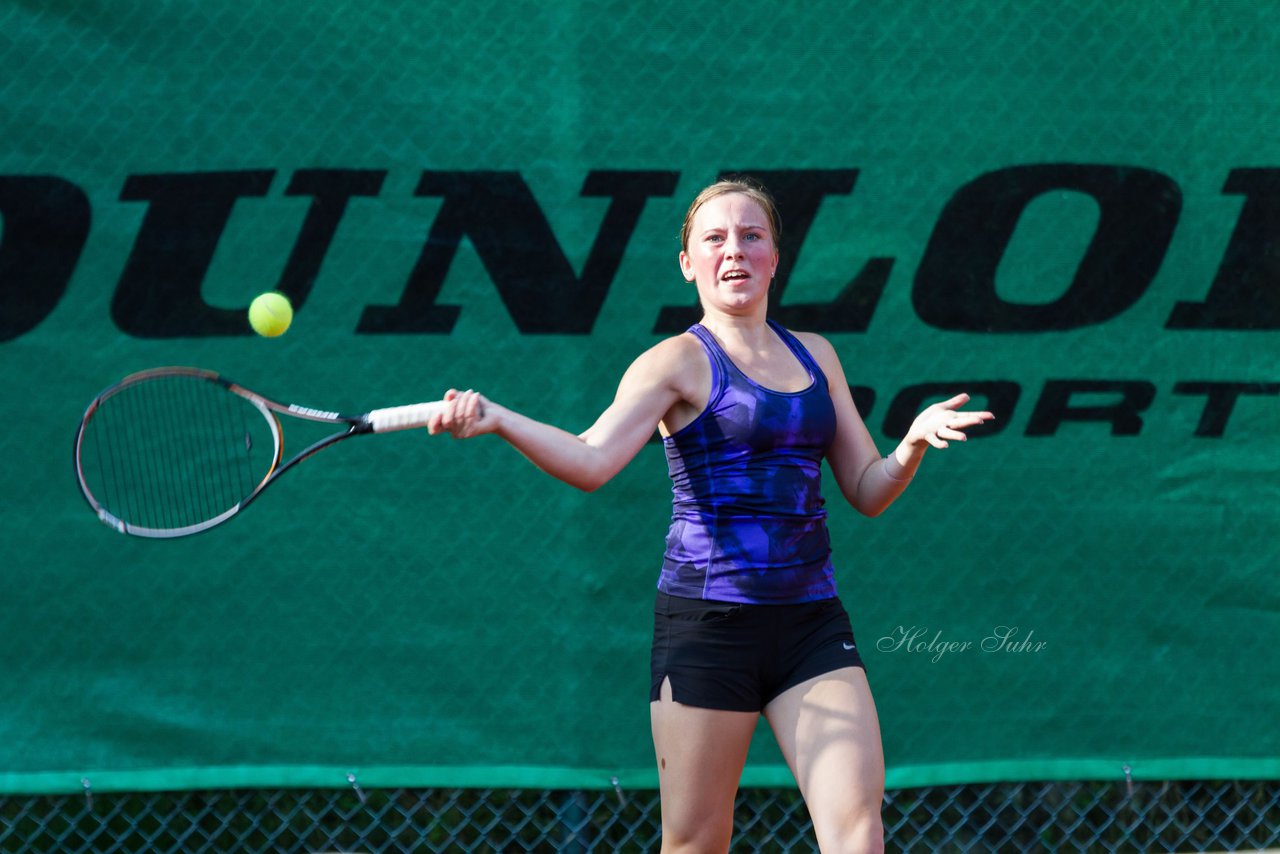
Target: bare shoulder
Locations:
point(671, 361)
point(668, 355)
point(677, 364)
point(814, 342)
point(821, 350)
point(677, 348)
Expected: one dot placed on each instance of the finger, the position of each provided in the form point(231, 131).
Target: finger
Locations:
point(450, 404)
point(935, 440)
point(473, 404)
point(967, 419)
point(453, 416)
point(953, 435)
point(434, 424)
point(445, 417)
point(978, 417)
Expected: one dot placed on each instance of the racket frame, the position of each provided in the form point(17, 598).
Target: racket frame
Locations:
point(379, 420)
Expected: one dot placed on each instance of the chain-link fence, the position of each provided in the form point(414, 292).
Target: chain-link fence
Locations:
point(1030, 816)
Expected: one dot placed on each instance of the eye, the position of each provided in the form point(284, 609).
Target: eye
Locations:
point(714, 238)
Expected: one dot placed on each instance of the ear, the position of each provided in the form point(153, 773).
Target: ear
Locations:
point(774, 271)
point(686, 267)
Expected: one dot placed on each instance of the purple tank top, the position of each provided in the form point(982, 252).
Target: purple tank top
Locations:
point(747, 517)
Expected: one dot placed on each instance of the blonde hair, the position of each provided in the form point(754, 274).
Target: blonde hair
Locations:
point(748, 187)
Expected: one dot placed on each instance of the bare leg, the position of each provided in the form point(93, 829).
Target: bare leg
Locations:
point(830, 736)
point(700, 754)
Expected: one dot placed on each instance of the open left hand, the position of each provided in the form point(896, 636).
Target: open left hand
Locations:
point(944, 422)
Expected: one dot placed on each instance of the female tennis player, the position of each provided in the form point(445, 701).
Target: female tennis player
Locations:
point(747, 621)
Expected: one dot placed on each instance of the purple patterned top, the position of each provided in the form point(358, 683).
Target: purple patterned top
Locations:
point(747, 520)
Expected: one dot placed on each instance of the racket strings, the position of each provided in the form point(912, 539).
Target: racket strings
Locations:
point(171, 452)
point(235, 427)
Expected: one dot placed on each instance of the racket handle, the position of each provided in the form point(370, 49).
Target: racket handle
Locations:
point(403, 417)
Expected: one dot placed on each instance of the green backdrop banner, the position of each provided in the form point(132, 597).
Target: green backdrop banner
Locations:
point(1070, 210)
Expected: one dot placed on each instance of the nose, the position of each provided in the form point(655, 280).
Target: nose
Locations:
point(732, 247)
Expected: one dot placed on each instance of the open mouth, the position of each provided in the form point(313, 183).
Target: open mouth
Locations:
point(735, 276)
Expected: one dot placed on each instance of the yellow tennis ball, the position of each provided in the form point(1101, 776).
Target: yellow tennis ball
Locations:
point(270, 314)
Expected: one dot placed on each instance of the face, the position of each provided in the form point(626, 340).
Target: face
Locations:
point(730, 256)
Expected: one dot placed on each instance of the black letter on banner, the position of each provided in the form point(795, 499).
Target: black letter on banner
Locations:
point(501, 218)
point(799, 194)
point(330, 189)
point(45, 226)
point(1245, 293)
point(159, 291)
point(1054, 405)
point(864, 399)
point(1220, 400)
point(1001, 396)
point(955, 286)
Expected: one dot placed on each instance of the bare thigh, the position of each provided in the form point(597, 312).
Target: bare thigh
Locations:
point(829, 734)
point(700, 753)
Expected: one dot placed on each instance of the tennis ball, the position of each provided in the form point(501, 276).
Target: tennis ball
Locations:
point(270, 314)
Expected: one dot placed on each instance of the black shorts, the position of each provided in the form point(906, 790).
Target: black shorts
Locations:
point(723, 655)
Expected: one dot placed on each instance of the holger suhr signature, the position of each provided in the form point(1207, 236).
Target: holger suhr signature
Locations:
point(917, 639)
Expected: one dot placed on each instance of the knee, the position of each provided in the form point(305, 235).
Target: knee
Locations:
point(863, 840)
point(856, 832)
point(701, 841)
point(688, 829)
point(868, 838)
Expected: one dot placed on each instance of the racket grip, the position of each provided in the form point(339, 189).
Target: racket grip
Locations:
point(403, 417)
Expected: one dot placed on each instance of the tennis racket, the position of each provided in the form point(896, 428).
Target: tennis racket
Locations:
point(171, 452)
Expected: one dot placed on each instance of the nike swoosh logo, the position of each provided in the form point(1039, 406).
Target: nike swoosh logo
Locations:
point(848, 645)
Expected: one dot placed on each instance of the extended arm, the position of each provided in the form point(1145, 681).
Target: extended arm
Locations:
point(650, 387)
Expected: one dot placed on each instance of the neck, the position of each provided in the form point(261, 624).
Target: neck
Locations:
point(749, 329)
